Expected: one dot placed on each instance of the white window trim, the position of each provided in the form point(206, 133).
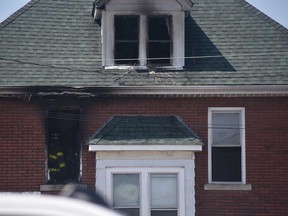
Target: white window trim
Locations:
point(144, 182)
point(186, 165)
point(178, 38)
point(240, 110)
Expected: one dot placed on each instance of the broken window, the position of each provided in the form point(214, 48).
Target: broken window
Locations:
point(159, 39)
point(63, 146)
point(126, 39)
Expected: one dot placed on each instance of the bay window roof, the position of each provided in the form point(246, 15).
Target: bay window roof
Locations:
point(146, 131)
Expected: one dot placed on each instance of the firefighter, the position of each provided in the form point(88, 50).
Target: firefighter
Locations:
point(56, 163)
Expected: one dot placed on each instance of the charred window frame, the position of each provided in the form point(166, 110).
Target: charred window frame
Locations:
point(156, 45)
point(63, 145)
point(226, 152)
point(127, 39)
point(159, 44)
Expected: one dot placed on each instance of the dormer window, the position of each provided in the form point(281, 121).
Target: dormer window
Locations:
point(126, 48)
point(159, 40)
point(142, 34)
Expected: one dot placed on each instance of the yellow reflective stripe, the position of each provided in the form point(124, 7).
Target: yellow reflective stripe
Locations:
point(62, 165)
point(52, 156)
point(54, 170)
point(59, 154)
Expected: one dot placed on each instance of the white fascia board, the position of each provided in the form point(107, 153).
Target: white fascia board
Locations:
point(195, 91)
point(95, 148)
point(247, 90)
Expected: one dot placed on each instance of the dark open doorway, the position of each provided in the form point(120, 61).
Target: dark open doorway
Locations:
point(63, 146)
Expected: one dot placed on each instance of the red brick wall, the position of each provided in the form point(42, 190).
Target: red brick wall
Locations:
point(266, 164)
point(266, 147)
point(22, 153)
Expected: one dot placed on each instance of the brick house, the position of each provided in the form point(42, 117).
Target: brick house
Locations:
point(144, 96)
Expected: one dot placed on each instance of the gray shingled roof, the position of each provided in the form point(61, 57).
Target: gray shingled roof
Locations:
point(57, 43)
point(148, 130)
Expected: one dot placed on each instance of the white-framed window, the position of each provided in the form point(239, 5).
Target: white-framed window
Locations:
point(226, 145)
point(142, 39)
point(147, 174)
point(157, 45)
point(147, 191)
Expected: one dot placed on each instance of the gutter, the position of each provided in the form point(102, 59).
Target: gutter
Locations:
point(26, 92)
point(165, 91)
point(197, 91)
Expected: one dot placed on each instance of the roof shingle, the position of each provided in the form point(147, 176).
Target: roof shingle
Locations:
point(148, 130)
point(57, 43)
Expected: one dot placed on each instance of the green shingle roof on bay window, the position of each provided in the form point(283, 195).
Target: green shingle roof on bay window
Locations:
point(145, 130)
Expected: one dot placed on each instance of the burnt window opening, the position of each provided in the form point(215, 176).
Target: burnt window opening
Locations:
point(63, 146)
point(126, 39)
point(159, 39)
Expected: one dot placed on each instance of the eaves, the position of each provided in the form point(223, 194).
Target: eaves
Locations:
point(197, 91)
point(25, 92)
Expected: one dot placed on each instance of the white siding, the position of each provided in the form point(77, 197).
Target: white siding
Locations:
point(188, 165)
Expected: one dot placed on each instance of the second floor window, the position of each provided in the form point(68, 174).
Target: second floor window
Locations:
point(226, 145)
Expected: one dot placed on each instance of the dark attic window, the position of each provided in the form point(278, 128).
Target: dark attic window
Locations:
point(126, 39)
point(63, 146)
point(159, 39)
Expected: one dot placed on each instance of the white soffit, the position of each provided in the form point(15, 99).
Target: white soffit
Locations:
point(94, 148)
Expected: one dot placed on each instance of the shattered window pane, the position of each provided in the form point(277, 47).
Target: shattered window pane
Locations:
point(126, 39)
point(159, 39)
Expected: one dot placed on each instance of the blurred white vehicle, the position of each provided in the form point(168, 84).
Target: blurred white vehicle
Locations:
point(44, 205)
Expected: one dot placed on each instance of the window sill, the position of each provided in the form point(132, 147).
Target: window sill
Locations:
point(124, 67)
point(55, 187)
point(231, 187)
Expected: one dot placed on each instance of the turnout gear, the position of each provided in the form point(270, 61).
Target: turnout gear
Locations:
point(56, 163)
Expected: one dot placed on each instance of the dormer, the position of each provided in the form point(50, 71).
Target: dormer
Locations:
point(142, 33)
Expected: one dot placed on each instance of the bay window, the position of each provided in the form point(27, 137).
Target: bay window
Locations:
point(147, 191)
